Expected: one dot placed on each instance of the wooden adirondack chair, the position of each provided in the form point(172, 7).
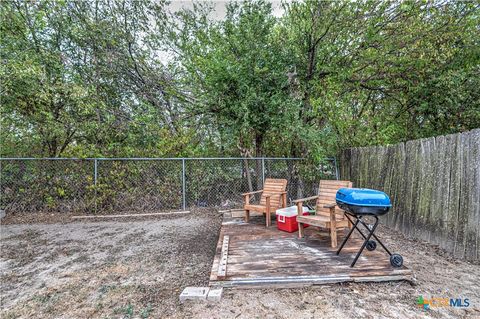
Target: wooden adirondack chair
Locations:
point(328, 215)
point(274, 196)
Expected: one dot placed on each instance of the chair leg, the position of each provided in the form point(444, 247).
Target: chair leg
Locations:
point(247, 215)
point(333, 227)
point(267, 209)
point(269, 218)
point(333, 236)
point(301, 233)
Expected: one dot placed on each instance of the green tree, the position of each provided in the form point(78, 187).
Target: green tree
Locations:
point(81, 79)
point(237, 72)
point(130, 78)
point(378, 72)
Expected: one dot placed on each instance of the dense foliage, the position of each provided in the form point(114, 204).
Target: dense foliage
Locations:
point(134, 78)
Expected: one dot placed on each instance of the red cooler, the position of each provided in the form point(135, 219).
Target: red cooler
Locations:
point(287, 218)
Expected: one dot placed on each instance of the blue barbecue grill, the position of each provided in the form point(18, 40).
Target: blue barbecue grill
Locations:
point(359, 203)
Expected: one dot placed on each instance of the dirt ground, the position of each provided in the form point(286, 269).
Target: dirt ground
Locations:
point(136, 268)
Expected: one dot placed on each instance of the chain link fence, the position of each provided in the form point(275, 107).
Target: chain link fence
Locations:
point(97, 185)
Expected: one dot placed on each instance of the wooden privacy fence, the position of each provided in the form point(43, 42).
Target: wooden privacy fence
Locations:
point(434, 184)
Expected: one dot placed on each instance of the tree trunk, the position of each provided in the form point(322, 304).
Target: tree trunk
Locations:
point(247, 174)
point(258, 162)
point(296, 180)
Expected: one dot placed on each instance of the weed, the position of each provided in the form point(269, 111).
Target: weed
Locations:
point(106, 288)
point(126, 311)
point(10, 315)
point(98, 306)
point(145, 313)
point(43, 299)
point(129, 311)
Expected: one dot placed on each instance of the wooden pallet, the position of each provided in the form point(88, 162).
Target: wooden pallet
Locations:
point(252, 256)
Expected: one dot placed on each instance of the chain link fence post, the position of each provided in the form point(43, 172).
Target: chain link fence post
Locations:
point(263, 171)
point(183, 185)
point(95, 173)
point(337, 175)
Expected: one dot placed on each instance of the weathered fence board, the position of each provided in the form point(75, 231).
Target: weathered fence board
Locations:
point(434, 185)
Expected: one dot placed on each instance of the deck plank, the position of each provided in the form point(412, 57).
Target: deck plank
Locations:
point(260, 257)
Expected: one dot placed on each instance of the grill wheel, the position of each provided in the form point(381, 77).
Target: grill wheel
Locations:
point(371, 245)
point(396, 260)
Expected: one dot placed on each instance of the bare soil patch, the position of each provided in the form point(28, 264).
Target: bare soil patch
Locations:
point(136, 268)
point(113, 269)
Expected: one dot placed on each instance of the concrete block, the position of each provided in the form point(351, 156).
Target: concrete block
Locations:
point(194, 293)
point(215, 294)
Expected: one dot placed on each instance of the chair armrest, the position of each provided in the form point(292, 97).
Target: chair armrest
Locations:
point(305, 199)
point(250, 193)
point(330, 205)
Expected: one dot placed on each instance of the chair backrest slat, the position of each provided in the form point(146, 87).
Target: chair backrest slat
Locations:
point(326, 194)
point(273, 185)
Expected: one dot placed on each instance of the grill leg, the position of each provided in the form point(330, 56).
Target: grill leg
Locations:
point(381, 244)
point(366, 241)
point(374, 236)
point(349, 233)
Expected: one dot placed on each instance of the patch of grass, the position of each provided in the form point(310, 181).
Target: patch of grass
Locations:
point(127, 311)
point(10, 315)
point(47, 301)
point(106, 288)
point(81, 259)
point(145, 313)
point(99, 306)
point(46, 298)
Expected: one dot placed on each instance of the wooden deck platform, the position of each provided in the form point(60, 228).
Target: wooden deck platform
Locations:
point(252, 256)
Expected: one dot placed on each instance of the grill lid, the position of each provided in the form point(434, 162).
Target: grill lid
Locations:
point(362, 197)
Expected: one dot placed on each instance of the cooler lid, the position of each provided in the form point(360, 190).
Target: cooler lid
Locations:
point(289, 211)
point(362, 197)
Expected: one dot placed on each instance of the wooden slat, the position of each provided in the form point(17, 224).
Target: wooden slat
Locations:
point(326, 197)
point(274, 188)
point(334, 183)
point(325, 201)
point(222, 265)
point(299, 282)
point(328, 190)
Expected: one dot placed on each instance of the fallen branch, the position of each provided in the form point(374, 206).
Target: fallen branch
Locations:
point(130, 215)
